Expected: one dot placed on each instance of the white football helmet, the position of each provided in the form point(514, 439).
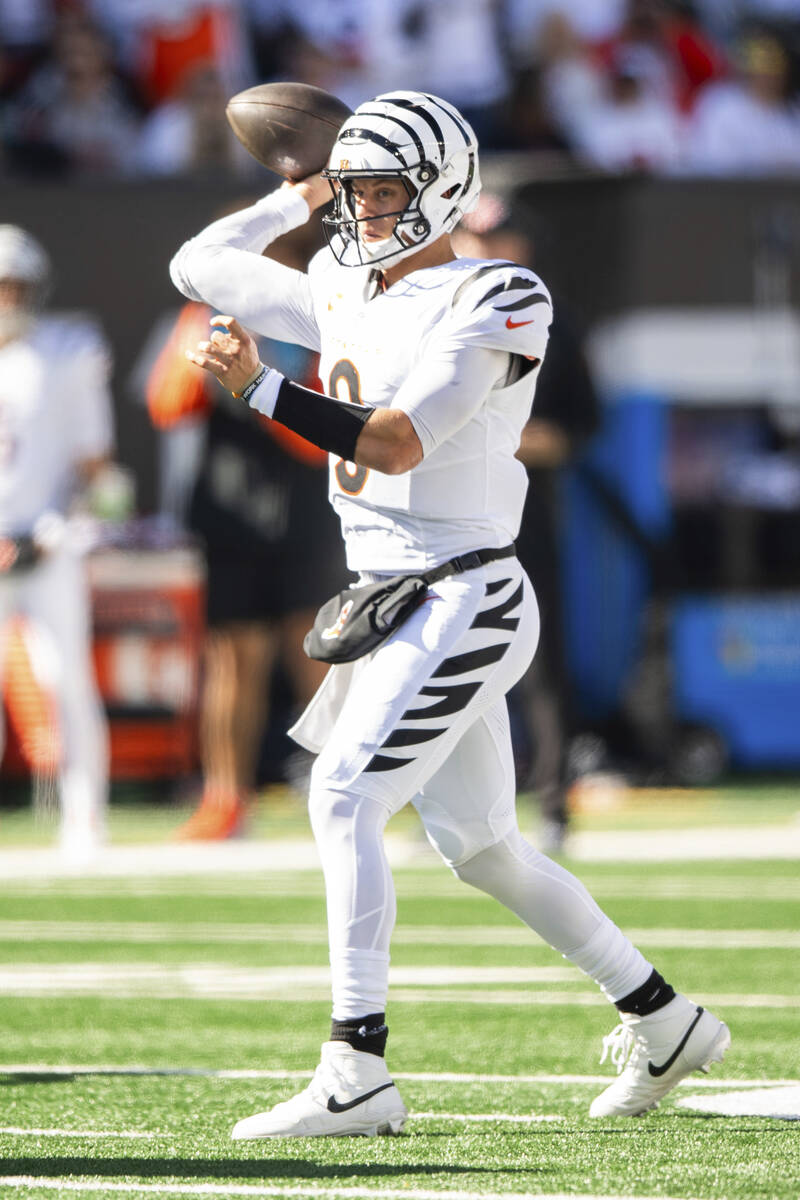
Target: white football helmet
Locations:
point(419, 139)
point(22, 260)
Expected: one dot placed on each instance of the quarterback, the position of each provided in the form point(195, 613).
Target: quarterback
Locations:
point(430, 363)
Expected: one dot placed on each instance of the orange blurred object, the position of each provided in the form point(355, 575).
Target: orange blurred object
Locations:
point(31, 708)
point(219, 815)
point(176, 388)
point(149, 625)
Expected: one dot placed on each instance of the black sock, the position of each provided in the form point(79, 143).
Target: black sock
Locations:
point(654, 993)
point(363, 1033)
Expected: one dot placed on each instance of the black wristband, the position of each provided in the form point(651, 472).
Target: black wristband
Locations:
point(247, 392)
point(329, 423)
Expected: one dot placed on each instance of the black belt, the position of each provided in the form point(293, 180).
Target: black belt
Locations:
point(466, 562)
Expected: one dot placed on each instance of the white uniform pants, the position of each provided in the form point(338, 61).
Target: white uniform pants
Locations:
point(424, 719)
point(54, 596)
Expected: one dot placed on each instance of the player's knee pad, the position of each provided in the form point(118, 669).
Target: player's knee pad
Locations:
point(496, 868)
point(339, 818)
point(459, 845)
point(330, 812)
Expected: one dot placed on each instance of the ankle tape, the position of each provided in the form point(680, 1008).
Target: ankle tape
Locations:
point(654, 993)
point(363, 1033)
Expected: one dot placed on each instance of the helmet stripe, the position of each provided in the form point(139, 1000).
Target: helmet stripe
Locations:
point(412, 133)
point(453, 117)
point(370, 136)
point(427, 117)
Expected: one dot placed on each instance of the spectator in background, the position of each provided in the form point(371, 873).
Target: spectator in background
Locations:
point(572, 77)
point(594, 21)
point(458, 51)
point(259, 504)
point(73, 113)
point(678, 58)
point(633, 128)
point(190, 134)
point(565, 414)
point(749, 125)
point(454, 49)
point(158, 43)
point(55, 441)
point(26, 27)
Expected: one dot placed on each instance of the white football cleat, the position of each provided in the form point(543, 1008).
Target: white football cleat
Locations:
point(652, 1054)
point(351, 1094)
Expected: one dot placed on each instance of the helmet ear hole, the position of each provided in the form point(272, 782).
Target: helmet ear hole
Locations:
point(451, 191)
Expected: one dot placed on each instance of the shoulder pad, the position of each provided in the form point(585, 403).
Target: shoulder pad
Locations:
point(503, 306)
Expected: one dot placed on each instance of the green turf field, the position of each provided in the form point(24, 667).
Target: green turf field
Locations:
point(142, 1016)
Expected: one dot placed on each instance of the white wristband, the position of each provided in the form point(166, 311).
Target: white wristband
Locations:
point(265, 396)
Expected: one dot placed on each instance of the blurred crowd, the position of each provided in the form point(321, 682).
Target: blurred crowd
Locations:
point(138, 87)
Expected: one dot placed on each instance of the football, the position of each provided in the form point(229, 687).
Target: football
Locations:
point(288, 127)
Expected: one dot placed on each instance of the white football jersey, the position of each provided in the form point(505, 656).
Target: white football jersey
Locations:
point(469, 489)
point(55, 411)
point(387, 349)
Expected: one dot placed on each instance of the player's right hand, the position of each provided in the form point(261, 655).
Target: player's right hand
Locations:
point(315, 190)
point(230, 353)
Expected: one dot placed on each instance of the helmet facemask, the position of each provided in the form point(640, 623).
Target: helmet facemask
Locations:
point(401, 136)
point(342, 227)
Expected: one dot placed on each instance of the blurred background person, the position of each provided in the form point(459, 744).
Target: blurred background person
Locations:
point(74, 113)
point(615, 91)
point(256, 496)
point(564, 416)
point(26, 27)
point(158, 44)
point(636, 126)
point(680, 56)
point(55, 443)
point(572, 79)
point(749, 124)
point(189, 134)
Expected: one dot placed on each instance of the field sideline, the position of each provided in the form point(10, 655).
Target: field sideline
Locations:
point(146, 1008)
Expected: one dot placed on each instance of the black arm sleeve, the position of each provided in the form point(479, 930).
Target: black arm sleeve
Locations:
point(329, 423)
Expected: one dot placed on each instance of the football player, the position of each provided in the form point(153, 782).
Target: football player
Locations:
point(55, 439)
point(430, 361)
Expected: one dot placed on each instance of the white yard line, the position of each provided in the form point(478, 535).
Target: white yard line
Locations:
point(247, 1189)
point(515, 1118)
point(541, 1078)
point(473, 935)
point(411, 985)
point(782, 1103)
point(17, 1131)
point(171, 859)
point(308, 884)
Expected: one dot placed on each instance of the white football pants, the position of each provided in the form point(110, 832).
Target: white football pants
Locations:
point(424, 719)
point(54, 596)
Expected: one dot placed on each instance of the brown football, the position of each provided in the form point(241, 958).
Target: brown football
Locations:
point(289, 127)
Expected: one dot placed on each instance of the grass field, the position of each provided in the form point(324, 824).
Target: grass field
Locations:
point(142, 1015)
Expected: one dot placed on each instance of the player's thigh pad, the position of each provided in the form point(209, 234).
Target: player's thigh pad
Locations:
point(411, 702)
point(470, 802)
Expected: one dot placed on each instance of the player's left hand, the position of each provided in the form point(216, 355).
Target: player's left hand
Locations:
point(230, 354)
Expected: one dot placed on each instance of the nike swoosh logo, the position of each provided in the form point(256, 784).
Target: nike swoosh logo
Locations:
point(335, 1107)
point(516, 324)
point(656, 1071)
